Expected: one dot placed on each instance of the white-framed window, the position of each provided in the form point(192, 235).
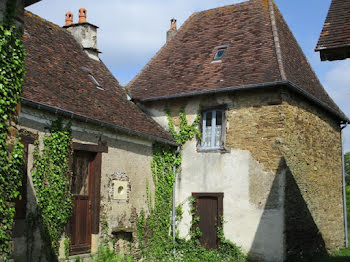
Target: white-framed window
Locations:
point(212, 129)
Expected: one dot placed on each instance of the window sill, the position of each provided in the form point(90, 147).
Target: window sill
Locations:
point(213, 150)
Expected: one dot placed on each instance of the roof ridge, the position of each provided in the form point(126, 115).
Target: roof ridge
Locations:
point(276, 40)
point(62, 29)
point(26, 12)
point(224, 6)
point(310, 83)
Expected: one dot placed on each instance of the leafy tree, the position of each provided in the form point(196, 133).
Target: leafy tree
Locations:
point(347, 168)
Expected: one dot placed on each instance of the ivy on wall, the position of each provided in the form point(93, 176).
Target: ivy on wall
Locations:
point(186, 131)
point(154, 236)
point(51, 181)
point(11, 154)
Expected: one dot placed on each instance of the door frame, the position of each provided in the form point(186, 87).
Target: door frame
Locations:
point(220, 211)
point(94, 182)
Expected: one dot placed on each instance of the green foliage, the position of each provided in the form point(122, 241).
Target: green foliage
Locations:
point(348, 206)
point(66, 247)
point(347, 167)
point(51, 182)
point(106, 254)
point(11, 159)
point(10, 12)
point(10, 180)
point(186, 131)
point(191, 250)
point(159, 242)
point(79, 259)
point(141, 224)
point(154, 236)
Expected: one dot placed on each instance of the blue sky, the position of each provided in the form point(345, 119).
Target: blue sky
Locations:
point(132, 31)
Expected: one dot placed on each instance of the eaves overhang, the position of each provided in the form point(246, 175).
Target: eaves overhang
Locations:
point(71, 115)
point(336, 53)
point(278, 84)
point(30, 2)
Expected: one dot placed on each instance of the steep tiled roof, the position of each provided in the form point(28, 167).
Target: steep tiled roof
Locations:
point(57, 75)
point(260, 49)
point(296, 66)
point(336, 30)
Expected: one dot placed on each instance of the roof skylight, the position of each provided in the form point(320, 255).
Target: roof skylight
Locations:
point(93, 79)
point(219, 54)
point(220, 51)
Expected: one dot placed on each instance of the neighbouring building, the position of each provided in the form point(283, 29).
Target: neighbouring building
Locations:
point(269, 160)
point(112, 137)
point(334, 41)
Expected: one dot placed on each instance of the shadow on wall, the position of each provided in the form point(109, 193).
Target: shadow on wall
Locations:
point(302, 239)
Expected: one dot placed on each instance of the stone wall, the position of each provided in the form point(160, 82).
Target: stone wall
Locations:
point(312, 151)
point(253, 192)
point(280, 173)
point(126, 164)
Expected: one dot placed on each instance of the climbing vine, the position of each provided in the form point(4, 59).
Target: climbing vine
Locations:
point(154, 236)
point(186, 131)
point(11, 152)
point(51, 181)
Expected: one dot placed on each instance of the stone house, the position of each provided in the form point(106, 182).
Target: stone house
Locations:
point(334, 41)
point(112, 137)
point(270, 157)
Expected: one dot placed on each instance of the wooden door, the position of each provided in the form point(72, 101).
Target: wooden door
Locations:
point(208, 207)
point(82, 185)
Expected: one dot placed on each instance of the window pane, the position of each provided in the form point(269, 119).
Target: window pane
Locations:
point(218, 129)
point(218, 136)
point(218, 118)
point(212, 129)
point(209, 118)
point(207, 139)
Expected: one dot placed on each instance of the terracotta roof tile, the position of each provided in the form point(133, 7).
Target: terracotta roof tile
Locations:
point(55, 77)
point(296, 66)
point(184, 64)
point(336, 30)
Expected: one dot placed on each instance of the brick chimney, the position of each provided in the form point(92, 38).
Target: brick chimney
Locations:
point(85, 34)
point(172, 31)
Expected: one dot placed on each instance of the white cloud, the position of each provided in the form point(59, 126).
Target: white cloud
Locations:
point(337, 83)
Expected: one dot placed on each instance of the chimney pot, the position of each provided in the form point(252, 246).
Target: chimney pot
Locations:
point(82, 15)
point(173, 24)
point(69, 18)
point(171, 33)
